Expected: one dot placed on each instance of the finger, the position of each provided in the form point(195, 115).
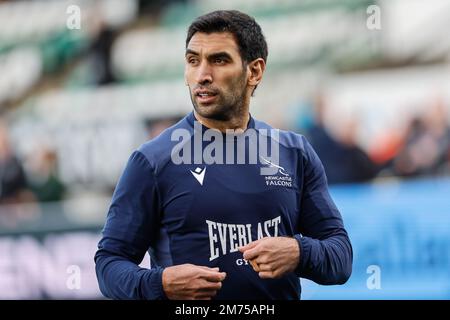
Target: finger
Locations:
point(266, 259)
point(209, 269)
point(251, 253)
point(202, 297)
point(266, 275)
point(265, 267)
point(206, 295)
point(255, 265)
point(207, 286)
point(206, 292)
point(213, 276)
point(248, 246)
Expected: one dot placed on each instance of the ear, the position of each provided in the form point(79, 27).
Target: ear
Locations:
point(256, 70)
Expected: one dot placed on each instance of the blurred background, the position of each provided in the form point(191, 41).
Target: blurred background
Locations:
point(83, 83)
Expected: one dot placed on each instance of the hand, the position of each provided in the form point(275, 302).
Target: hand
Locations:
point(191, 282)
point(272, 257)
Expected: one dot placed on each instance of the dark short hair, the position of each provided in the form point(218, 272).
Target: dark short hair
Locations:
point(247, 32)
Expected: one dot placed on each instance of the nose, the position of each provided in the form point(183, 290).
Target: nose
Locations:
point(204, 74)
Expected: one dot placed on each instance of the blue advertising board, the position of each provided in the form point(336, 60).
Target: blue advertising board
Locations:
point(400, 232)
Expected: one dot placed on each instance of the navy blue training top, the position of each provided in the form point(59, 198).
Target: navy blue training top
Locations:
point(200, 212)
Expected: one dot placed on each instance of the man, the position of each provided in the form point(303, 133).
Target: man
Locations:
point(13, 184)
point(215, 229)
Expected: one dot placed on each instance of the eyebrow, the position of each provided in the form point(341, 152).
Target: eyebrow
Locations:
point(221, 54)
point(189, 51)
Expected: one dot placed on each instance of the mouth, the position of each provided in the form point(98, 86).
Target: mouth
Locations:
point(205, 96)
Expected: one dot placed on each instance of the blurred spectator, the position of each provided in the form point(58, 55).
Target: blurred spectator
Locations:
point(44, 179)
point(386, 146)
point(344, 161)
point(155, 126)
point(100, 53)
point(155, 7)
point(427, 144)
point(13, 184)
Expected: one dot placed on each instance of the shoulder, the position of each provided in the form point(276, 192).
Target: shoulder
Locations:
point(287, 139)
point(158, 150)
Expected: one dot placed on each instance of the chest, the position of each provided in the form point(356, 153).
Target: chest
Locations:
point(197, 197)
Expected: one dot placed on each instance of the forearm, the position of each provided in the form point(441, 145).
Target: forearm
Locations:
point(120, 278)
point(327, 261)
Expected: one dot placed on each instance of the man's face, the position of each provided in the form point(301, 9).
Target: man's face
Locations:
point(215, 75)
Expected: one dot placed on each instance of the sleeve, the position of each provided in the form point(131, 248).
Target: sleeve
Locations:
point(131, 224)
point(325, 250)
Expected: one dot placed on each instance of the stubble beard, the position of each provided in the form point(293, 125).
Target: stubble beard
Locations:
point(227, 107)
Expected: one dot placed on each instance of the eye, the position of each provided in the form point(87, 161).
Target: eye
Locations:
point(219, 61)
point(192, 60)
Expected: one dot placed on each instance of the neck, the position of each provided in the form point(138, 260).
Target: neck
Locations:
point(237, 122)
point(232, 124)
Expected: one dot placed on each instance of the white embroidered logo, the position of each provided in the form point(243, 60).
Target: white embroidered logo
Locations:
point(280, 169)
point(199, 174)
point(283, 179)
